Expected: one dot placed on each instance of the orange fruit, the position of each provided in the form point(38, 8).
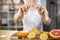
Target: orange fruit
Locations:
point(47, 33)
point(31, 39)
point(21, 34)
point(36, 31)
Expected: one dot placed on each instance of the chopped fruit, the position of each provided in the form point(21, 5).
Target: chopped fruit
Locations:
point(47, 33)
point(31, 35)
point(55, 33)
point(31, 39)
point(36, 31)
point(43, 37)
point(21, 34)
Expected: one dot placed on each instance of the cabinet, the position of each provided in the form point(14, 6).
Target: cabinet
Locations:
point(7, 13)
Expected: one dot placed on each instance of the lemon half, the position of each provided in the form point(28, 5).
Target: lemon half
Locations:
point(31, 35)
point(43, 37)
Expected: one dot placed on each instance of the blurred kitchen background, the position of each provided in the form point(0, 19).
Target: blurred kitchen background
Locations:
point(9, 7)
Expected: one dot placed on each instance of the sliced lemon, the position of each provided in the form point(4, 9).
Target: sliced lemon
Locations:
point(43, 37)
point(31, 35)
point(31, 39)
point(36, 31)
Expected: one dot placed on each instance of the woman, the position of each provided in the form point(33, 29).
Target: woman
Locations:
point(33, 15)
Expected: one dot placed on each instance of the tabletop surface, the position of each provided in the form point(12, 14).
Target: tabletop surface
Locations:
point(10, 35)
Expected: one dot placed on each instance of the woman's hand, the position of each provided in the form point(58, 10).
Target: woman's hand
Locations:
point(20, 13)
point(41, 10)
point(24, 8)
point(44, 13)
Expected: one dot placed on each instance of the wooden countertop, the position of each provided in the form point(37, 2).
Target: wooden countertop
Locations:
point(4, 34)
point(7, 32)
point(10, 33)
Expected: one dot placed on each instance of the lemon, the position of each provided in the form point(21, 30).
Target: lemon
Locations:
point(43, 37)
point(31, 35)
point(36, 31)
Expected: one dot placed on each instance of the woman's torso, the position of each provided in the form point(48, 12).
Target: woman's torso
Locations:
point(32, 19)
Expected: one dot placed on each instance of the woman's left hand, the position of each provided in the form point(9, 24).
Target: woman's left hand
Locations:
point(41, 10)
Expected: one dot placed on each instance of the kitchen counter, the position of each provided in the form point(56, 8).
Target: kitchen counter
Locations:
point(7, 34)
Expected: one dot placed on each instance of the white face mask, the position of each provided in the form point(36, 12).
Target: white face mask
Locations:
point(38, 2)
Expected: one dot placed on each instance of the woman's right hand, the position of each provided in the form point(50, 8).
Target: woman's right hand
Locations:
point(24, 8)
point(20, 13)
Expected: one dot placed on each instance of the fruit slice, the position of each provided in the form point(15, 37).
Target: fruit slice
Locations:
point(47, 33)
point(31, 35)
point(36, 31)
point(21, 34)
point(55, 33)
point(43, 37)
point(31, 39)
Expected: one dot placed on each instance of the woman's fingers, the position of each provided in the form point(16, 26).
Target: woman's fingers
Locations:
point(41, 10)
point(24, 8)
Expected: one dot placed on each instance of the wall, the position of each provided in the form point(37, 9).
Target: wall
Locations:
point(44, 2)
